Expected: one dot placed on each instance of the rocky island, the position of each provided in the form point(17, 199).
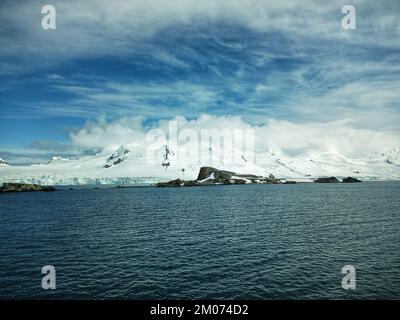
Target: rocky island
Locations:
point(24, 187)
point(212, 176)
point(336, 180)
point(350, 180)
point(327, 180)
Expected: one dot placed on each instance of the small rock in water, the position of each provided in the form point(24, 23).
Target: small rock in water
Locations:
point(178, 183)
point(350, 180)
point(327, 180)
point(24, 187)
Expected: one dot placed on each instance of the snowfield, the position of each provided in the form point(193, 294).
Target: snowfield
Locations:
point(130, 165)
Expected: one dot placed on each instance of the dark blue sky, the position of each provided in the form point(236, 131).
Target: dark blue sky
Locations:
point(257, 59)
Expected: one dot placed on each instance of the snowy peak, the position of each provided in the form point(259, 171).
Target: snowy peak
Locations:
point(117, 157)
point(2, 161)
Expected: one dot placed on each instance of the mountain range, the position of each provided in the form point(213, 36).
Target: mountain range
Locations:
point(129, 165)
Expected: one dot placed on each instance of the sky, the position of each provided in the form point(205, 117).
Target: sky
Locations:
point(113, 68)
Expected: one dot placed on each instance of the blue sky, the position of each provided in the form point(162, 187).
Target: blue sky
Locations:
point(282, 60)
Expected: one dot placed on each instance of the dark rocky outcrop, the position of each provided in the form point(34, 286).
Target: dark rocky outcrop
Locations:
point(206, 172)
point(117, 157)
point(327, 180)
point(350, 180)
point(335, 180)
point(24, 187)
point(178, 183)
point(211, 176)
point(234, 181)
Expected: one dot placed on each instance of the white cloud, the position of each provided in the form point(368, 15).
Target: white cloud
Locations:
point(110, 135)
point(283, 135)
point(99, 27)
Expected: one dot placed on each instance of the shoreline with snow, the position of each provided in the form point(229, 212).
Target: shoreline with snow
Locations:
point(128, 165)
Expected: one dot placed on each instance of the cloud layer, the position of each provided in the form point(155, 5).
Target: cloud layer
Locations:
point(284, 68)
point(285, 136)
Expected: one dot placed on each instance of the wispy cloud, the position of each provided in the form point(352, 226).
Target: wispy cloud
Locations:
point(99, 27)
point(261, 60)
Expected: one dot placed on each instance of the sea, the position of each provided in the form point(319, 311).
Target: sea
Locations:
point(216, 242)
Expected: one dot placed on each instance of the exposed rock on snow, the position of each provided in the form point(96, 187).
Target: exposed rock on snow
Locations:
point(117, 157)
point(55, 159)
point(2, 161)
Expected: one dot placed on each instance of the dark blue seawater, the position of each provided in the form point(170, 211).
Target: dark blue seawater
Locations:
point(222, 242)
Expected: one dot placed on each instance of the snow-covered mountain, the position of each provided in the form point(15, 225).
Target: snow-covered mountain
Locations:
point(132, 165)
point(117, 157)
point(3, 162)
point(376, 167)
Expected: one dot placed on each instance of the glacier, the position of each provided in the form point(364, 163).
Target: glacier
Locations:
point(130, 165)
